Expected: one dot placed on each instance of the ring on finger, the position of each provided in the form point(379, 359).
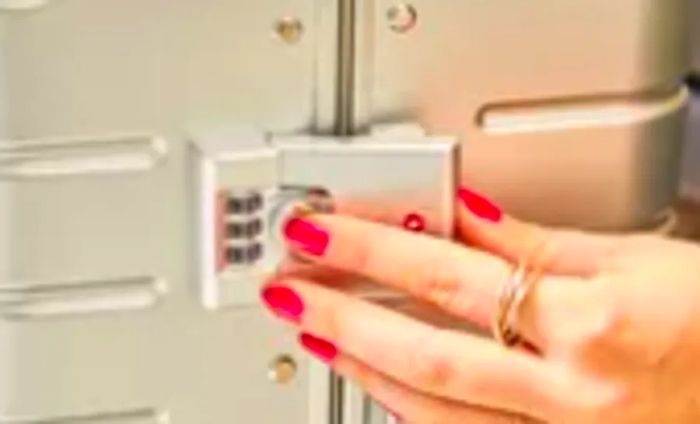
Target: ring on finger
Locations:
point(517, 288)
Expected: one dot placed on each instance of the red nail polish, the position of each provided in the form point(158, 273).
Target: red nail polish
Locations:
point(284, 302)
point(307, 236)
point(480, 206)
point(323, 349)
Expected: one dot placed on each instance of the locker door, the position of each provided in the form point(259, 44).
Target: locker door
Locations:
point(100, 316)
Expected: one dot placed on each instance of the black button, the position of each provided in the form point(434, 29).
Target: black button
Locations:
point(236, 230)
point(244, 203)
point(236, 255)
point(254, 252)
point(254, 203)
point(235, 205)
point(253, 228)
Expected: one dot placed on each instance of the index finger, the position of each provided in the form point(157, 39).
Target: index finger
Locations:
point(458, 279)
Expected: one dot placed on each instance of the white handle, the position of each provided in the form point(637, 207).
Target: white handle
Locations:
point(74, 156)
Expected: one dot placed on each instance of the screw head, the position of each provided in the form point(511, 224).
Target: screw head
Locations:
point(289, 29)
point(402, 17)
point(283, 369)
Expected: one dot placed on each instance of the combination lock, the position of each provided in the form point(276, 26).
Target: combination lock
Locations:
point(246, 195)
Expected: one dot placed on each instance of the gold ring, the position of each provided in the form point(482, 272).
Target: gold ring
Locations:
point(514, 292)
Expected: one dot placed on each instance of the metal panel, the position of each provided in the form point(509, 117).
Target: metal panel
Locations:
point(4, 191)
point(690, 186)
point(570, 67)
point(695, 25)
point(100, 315)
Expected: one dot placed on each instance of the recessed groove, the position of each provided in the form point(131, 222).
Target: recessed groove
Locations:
point(135, 416)
point(556, 115)
point(29, 302)
point(54, 157)
point(21, 5)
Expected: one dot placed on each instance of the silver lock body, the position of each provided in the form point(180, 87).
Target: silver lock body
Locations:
point(385, 178)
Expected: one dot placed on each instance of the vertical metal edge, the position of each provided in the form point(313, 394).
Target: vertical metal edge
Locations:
point(337, 399)
point(319, 393)
point(5, 216)
point(347, 15)
point(365, 36)
point(326, 15)
point(356, 402)
point(344, 126)
point(3, 81)
point(205, 196)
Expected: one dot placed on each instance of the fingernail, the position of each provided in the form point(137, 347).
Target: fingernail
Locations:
point(284, 301)
point(307, 236)
point(323, 349)
point(480, 205)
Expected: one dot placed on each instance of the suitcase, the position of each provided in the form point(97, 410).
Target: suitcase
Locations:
point(139, 131)
point(690, 183)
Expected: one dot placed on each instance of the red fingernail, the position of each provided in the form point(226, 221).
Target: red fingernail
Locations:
point(323, 349)
point(307, 236)
point(284, 301)
point(480, 206)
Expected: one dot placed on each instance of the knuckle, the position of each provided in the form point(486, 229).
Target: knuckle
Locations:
point(431, 368)
point(360, 258)
point(332, 319)
point(370, 380)
point(601, 322)
point(601, 330)
point(593, 403)
point(441, 283)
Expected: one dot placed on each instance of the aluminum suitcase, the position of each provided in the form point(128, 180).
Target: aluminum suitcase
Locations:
point(126, 121)
point(690, 183)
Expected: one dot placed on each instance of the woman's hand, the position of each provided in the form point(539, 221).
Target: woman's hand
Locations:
point(615, 321)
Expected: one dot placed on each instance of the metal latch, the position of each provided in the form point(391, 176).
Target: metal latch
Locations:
point(248, 184)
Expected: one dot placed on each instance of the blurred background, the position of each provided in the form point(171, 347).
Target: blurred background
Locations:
point(690, 183)
point(691, 174)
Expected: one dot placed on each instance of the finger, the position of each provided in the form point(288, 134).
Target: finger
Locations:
point(464, 282)
point(481, 223)
point(449, 364)
point(553, 307)
point(411, 406)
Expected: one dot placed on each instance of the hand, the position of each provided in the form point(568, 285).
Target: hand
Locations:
point(615, 321)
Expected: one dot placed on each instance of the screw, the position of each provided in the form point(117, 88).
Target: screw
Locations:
point(282, 370)
point(402, 17)
point(289, 29)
